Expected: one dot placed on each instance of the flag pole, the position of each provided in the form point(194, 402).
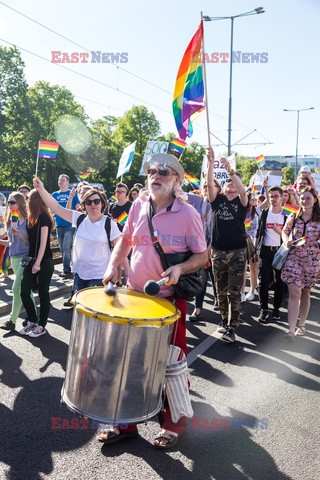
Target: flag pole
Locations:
point(205, 85)
point(37, 159)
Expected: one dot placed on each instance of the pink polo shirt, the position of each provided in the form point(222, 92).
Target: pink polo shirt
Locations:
point(178, 230)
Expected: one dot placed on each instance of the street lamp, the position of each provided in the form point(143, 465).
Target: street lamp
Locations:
point(256, 11)
point(297, 139)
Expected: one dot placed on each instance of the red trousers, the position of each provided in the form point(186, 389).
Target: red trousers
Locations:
point(178, 338)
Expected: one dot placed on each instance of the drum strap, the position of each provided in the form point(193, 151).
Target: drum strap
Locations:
point(107, 226)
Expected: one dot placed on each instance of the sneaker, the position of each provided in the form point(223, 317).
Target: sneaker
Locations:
point(68, 276)
point(276, 315)
point(28, 328)
point(264, 315)
point(8, 325)
point(229, 336)
point(68, 303)
point(195, 317)
point(222, 326)
point(37, 331)
point(250, 296)
point(25, 322)
point(242, 297)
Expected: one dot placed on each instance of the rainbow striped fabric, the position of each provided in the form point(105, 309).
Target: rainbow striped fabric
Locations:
point(288, 208)
point(122, 218)
point(299, 242)
point(15, 216)
point(188, 96)
point(47, 149)
point(317, 170)
point(82, 176)
point(113, 198)
point(260, 161)
point(191, 180)
point(177, 145)
point(248, 223)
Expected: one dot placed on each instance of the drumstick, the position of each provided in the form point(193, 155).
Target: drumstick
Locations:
point(153, 288)
point(110, 289)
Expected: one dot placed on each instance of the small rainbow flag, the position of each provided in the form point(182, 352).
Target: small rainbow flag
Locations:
point(47, 149)
point(299, 242)
point(15, 216)
point(248, 223)
point(193, 181)
point(260, 161)
point(288, 208)
point(122, 218)
point(317, 170)
point(113, 198)
point(82, 176)
point(177, 145)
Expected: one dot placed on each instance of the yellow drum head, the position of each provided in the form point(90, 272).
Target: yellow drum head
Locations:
point(128, 307)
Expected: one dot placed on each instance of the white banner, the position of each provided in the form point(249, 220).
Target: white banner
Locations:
point(219, 171)
point(126, 159)
point(153, 146)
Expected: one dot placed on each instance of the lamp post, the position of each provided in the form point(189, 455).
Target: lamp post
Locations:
point(297, 139)
point(256, 11)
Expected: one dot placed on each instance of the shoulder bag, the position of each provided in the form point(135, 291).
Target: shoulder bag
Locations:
point(189, 285)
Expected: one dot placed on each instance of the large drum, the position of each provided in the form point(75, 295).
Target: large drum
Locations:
point(117, 355)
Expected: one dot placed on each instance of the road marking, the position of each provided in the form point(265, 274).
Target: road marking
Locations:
point(203, 346)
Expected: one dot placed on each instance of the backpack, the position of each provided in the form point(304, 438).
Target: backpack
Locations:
point(107, 226)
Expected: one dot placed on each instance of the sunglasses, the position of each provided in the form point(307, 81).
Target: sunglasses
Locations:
point(96, 201)
point(120, 191)
point(229, 180)
point(163, 172)
point(11, 202)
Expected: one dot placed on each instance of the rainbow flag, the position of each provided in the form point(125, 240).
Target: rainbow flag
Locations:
point(47, 149)
point(122, 218)
point(188, 96)
point(193, 181)
point(288, 208)
point(317, 170)
point(260, 161)
point(177, 145)
point(15, 216)
point(113, 198)
point(299, 242)
point(248, 223)
point(82, 176)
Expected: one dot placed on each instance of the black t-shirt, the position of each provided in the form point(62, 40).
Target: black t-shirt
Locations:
point(44, 221)
point(116, 210)
point(228, 223)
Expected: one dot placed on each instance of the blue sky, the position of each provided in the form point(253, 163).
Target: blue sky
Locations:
point(155, 36)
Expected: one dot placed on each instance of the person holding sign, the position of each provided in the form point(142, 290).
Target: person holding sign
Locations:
point(228, 244)
point(302, 266)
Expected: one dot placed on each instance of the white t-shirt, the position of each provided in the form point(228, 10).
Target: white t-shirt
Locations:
point(272, 238)
point(91, 251)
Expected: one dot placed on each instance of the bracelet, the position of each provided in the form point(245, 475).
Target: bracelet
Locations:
point(232, 172)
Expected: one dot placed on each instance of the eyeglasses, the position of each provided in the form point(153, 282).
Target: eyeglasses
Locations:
point(11, 202)
point(120, 191)
point(163, 172)
point(96, 201)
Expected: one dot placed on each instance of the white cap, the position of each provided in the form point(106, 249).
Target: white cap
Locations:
point(305, 168)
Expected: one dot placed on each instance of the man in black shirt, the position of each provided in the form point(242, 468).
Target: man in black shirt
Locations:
point(119, 212)
point(228, 245)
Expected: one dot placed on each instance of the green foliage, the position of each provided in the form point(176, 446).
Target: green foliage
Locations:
point(288, 175)
point(247, 167)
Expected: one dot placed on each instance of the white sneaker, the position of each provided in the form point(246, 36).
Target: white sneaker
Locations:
point(250, 296)
point(243, 297)
point(37, 331)
point(28, 328)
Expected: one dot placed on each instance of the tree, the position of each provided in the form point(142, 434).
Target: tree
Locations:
point(246, 167)
point(288, 175)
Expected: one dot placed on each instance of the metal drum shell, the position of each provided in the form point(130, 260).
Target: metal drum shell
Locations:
point(116, 362)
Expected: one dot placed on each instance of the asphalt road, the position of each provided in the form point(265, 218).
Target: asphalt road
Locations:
point(262, 393)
